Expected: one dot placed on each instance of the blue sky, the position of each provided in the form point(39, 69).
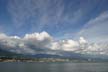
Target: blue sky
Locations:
point(71, 25)
point(60, 18)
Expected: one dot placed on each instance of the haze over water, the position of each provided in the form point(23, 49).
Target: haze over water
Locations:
point(53, 67)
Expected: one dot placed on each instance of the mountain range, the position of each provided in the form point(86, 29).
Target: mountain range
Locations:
point(63, 54)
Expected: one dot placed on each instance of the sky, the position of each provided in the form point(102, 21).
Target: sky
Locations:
point(76, 25)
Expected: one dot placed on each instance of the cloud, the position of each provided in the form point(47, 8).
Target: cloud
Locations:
point(36, 43)
point(96, 29)
point(38, 36)
point(38, 15)
point(39, 12)
point(66, 45)
point(29, 44)
point(57, 16)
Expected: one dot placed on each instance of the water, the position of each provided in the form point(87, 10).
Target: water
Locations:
point(53, 67)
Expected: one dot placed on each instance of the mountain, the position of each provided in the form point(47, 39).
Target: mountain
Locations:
point(63, 54)
point(6, 53)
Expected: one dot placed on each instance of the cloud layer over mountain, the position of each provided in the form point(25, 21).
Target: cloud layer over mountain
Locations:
point(44, 43)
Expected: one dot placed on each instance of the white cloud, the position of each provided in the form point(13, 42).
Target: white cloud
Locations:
point(66, 45)
point(43, 15)
point(82, 40)
point(44, 43)
point(96, 29)
point(38, 36)
point(28, 44)
point(2, 36)
point(38, 12)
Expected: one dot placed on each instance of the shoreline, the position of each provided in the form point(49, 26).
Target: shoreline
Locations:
point(48, 60)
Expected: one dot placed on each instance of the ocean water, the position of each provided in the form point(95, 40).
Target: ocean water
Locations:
point(52, 67)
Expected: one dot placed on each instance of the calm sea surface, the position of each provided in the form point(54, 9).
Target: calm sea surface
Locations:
point(53, 67)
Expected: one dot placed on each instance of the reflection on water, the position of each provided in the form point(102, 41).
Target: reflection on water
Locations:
point(53, 67)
